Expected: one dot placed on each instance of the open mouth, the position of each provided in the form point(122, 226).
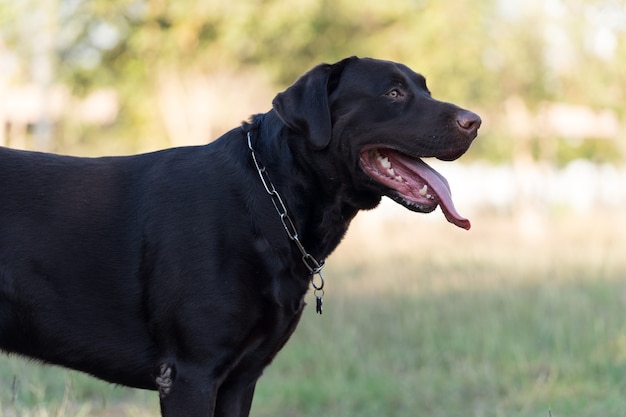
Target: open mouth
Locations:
point(415, 185)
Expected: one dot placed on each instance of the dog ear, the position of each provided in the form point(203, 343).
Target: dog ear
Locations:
point(304, 107)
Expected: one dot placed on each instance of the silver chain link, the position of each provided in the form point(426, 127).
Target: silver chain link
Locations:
point(312, 264)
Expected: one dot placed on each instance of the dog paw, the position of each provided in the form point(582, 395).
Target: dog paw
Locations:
point(164, 380)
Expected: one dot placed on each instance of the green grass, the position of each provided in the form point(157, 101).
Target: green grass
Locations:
point(487, 353)
point(30, 390)
point(423, 320)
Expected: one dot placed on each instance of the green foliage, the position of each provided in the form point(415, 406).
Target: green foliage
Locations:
point(594, 150)
point(475, 53)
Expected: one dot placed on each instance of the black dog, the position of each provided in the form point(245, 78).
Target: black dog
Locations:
point(184, 270)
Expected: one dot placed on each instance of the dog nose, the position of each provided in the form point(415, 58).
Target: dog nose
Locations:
point(468, 122)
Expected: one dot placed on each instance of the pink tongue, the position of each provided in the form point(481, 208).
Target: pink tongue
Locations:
point(439, 184)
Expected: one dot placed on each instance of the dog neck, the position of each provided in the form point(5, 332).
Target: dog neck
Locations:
point(310, 262)
point(324, 203)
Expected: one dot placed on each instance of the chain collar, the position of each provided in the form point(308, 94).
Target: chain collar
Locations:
point(312, 264)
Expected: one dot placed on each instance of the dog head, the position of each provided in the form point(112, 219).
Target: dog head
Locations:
point(377, 120)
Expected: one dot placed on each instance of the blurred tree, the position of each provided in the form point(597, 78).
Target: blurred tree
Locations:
point(476, 53)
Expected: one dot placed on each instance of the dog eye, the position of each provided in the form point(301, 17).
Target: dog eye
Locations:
point(393, 93)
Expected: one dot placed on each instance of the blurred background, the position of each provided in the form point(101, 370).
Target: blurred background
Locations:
point(521, 316)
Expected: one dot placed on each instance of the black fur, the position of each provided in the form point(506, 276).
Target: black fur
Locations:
point(171, 270)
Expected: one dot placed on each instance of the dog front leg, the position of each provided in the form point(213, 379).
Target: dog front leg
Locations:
point(234, 400)
point(185, 391)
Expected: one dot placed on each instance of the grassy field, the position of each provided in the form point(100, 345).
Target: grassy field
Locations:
point(514, 318)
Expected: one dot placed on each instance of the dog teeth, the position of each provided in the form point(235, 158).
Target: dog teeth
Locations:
point(385, 163)
point(424, 190)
